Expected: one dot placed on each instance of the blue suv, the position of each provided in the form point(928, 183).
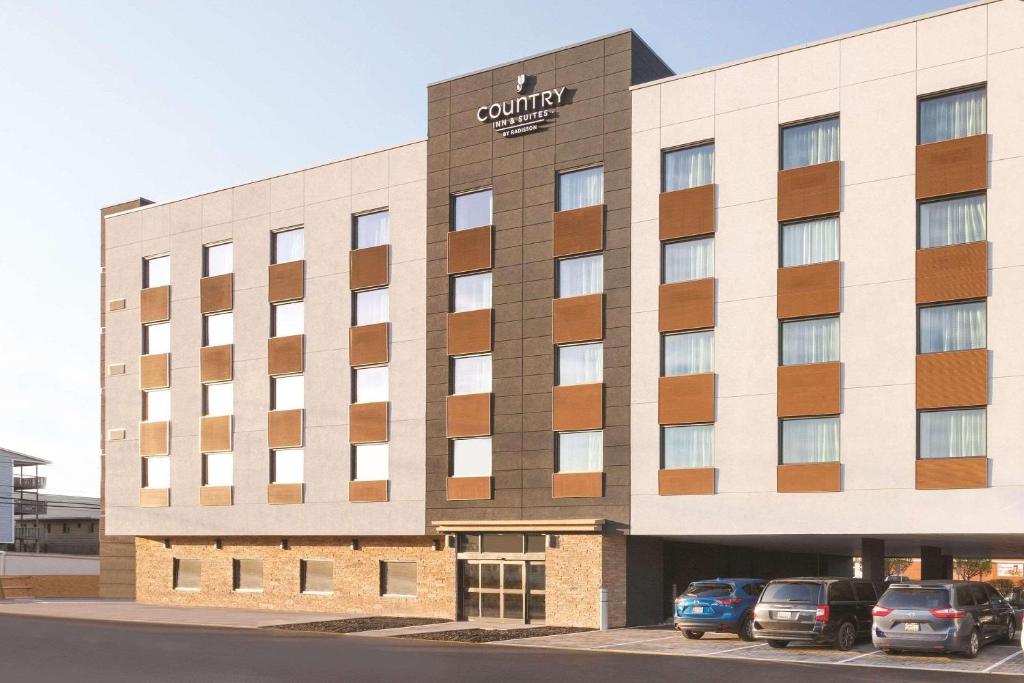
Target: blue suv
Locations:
point(718, 606)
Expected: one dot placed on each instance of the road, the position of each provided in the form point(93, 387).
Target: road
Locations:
point(44, 650)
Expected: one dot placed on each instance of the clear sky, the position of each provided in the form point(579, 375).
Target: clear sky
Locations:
point(103, 101)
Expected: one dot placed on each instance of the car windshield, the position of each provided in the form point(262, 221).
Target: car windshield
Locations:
point(708, 590)
point(915, 598)
point(791, 592)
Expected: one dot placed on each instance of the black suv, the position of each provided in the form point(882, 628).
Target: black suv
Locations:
point(830, 610)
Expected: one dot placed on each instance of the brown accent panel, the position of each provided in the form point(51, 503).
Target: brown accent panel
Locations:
point(952, 379)
point(686, 305)
point(470, 488)
point(215, 363)
point(155, 304)
point(578, 231)
point(809, 477)
point(368, 422)
point(686, 213)
point(577, 484)
point(154, 438)
point(368, 344)
point(470, 332)
point(812, 389)
point(154, 498)
point(368, 267)
point(284, 355)
point(576, 407)
point(368, 491)
point(952, 166)
point(809, 191)
point(577, 318)
point(470, 250)
point(284, 494)
point(469, 415)
point(686, 399)
point(284, 428)
point(688, 481)
point(286, 281)
point(959, 271)
point(155, 371)
point(117, 304)
point(952, 473)
point(215, 495)
point(808, 290)
point(216, 293)
point(215, 433)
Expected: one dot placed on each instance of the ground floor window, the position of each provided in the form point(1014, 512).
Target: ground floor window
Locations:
point(317, 576)
point(248, 575)
point(187, 574)
point(398, 578)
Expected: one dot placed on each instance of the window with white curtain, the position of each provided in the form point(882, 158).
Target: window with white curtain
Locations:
point(581, 451)
point(156, 338)
point(471, 457)
point(688, 446)
point(471, 292)
point(286, 466)
point(372, 229)
point(807, 242)
point(370, 385)
point(951, 433)
point(952, 327)
point(577, 189)
point(371, 306)
point(218, 399)
point(156, 472)
point(951, 221)
point(218, 469)
point(370, 462)
point(688, 167)
point(218, 259)
point(472, 210)
point(471, 374)
point(815, 340)
point(156, 405)
point(689, 353)
point(156, 271)
point(287, 393)
point(814, 142)
point(814, 439)
point(287, 319)
point(688, 260)
point(287, 245)
point(581, 275)
point(581, 364)
point(218, 329)
point(956, 115)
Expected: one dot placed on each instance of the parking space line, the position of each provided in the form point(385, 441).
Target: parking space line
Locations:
point(737, 649)
point(633, 642)
point(1002, 661)
point(864, 654)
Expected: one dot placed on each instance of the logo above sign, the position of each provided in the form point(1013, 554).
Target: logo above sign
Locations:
point(524, 114)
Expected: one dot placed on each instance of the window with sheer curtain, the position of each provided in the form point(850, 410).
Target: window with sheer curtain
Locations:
point(370, 462)
point(581, 451)
point(472, 210)
point(217, 259)
point(471, 374)
point(951, 433)
point(688, 260)
point(156, 405)
point(471, 457)
point(689, 167)
point(689, 353)
point(156, 472)
point(157, 338)
point(577, 189)
point(472, 292)
point(218, 329)
point(956, 115)
point(579, 276)
point(288, 245)
point(286, 466)
point(688, 446)
point(814, 439)
point(371, 306)
point(218, 399)
point(807, 242)
point(287, 319)
point(218, 469)
point(372, 229)
point(952, 221)
point(810, 341)
point(815, 142)
point(952, 327)
point(370, 385)
point(580, 364)
point(156, 271)
point(287, 392)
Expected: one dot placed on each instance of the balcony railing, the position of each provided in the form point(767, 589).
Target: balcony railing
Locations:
point(28, 532)
point(29, 483)
point(30, 507)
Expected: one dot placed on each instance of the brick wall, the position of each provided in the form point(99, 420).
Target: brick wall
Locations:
point(576, 570)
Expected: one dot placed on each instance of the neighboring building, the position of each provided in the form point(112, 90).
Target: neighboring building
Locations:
point(67, 524)
point(598, 331)
point(20, 499)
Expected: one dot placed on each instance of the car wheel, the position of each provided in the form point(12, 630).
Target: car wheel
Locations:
point(973, 645)
point(847, 636)
point(694, 635)
point(746, 631)
point(1011, 629)
point(778, 643)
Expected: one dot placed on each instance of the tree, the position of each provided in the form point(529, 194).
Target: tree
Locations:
point(895, 566)
point(1004, 586)
point(968, 568)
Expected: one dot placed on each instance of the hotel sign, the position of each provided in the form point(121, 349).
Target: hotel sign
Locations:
point(522, 114)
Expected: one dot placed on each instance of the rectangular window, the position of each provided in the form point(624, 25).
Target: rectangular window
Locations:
point(951, 221)
point(688, 446)
point(218, 259)
point(371, 306)
point(287, 393)
point(218, 399)
point(814, 142)
point(316, 576)
point(287, 245)
point(807, 242)
point(156, 472)
point(156, 271)
point(471, 374)
point(810, 341)
point(218, 329)
point(218, 469)
point(156, 338)
point(472, 210)
point(471, 457)
point(577, 189)
point(951, 433)
point(370, 385)
point(370, 462)
point(187, 574)
point(287, 319)
point(372, 230)
point(813, 439)
point(248, 575)
point(581, 451)
point(955, 115)
point(471, 292)
point(690, 353)
point(580, 276)
point(688, 167)
point(581, 364)
point(398, 578)
point(688, 260)
point(952, 327)
point(156, 405)
point(286, 466)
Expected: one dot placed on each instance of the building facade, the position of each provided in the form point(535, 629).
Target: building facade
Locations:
point(604, 331)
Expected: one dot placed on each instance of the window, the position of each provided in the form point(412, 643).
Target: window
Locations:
point(807, 242)
point(156, 271)
point(471, 374)
point(581, 451)
point(398, 578)
point(810, 341)
point(688, 446)
point(688, 167)
point(287, 319)
point(841, 591)
point(688, 260)
point(471, 292)
point(951, 433)
point(370, 462)
point(316, 576)
point(370, 385)
point(952, 327)
point(955, 115)
point(951, 221)
point(218, 399)
point(372, 229)
point(218, 469)
point(582, 275)
point(248, 575)
point(286, 466)
point(187, 574)
point(371, 306)
point(156, 405)
point(814, 439)
point(471, 457)
point(815, 142)
point(156, 338)
point(219, 329)
point(286, 245)
point(472, 210)
point(218, 259)
point(865, 591)
point(286, 393)
point(690, 353)
point(577, 189)
point(581, 364)
point(156, 472)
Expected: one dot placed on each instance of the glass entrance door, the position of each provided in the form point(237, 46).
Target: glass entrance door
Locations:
point(503, 589)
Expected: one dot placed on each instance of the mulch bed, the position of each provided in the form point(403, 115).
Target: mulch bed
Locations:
point(357, 625)
point(483, 635)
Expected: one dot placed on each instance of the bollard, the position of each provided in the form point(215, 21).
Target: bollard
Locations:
point(603, 598)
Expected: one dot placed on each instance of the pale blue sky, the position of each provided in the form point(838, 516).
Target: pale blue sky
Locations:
point(101, 102)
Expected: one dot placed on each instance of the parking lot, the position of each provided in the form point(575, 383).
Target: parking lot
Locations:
point(994, 658)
